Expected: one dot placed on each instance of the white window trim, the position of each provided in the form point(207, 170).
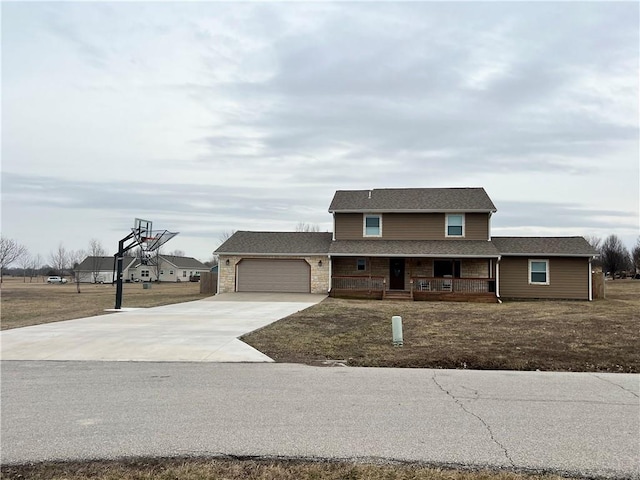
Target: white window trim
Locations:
point(446, 225)
point(548, 282)
point(364, 224)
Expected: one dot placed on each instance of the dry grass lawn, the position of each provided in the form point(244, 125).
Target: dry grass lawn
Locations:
point(34, 303)
point(198, 469)
point(526, 335)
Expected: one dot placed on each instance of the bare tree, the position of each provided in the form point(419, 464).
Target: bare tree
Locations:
point(36, 265)
point(307, 227)
point(596, 243)
point(25, 262)
point(212, 262)
point(177, 253)
point(10, 251)
point(635, 257)
point(226, 235)
point(59, 259)
point(96, 251)
point(75, 259)
point(614, 255)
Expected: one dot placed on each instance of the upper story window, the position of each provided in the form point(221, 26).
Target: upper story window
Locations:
point(372, 225)
point(454, 225)
point(539, 272)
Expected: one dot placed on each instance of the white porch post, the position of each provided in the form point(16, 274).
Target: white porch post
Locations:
point(498, 277)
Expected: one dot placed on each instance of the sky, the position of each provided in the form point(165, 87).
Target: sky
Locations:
point(211, 117)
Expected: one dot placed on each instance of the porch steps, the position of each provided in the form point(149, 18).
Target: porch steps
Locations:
point(397, 295)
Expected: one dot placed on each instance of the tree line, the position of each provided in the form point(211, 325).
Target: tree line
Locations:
point(615, 259)
point(61, 261)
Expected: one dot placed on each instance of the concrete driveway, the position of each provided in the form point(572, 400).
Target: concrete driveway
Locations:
point(201, 331)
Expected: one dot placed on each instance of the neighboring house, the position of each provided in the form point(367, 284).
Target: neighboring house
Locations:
point(171, 269)
point(420, 243)
point(101, 269)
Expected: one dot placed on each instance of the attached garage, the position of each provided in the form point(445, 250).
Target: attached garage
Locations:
point(273, 275)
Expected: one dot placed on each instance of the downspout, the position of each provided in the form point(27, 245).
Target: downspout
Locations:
point(590, 281)
point(218, 282)
point(498, 279)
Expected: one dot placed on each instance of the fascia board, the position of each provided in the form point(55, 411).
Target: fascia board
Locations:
point(263, 254)
point(413, 210)
point(543, 254)
point(410, 255)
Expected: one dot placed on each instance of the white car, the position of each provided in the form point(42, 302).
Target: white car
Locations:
point(56, 280)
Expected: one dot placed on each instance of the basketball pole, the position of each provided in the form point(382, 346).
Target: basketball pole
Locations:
point(119, 258)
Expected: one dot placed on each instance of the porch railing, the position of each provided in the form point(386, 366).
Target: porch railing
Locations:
point(459, 285)
point(368, 284)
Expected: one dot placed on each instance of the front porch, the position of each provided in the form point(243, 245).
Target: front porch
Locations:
point(420, 279)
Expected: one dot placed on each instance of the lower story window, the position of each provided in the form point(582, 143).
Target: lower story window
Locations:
point(144, 273)
point(361, 264)
point(184, 273)
point(539, 272)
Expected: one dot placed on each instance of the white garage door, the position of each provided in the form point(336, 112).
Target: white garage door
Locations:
point(256, 275)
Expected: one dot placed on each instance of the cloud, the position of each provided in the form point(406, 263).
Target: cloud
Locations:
point(218, 116)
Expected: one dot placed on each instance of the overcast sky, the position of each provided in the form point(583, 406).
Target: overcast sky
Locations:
point(212, 117)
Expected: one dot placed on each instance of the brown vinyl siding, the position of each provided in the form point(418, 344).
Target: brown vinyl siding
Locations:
point(568, 278)
point(348, 226)
point(410, 226)
point(413, 226)
point(476, 226)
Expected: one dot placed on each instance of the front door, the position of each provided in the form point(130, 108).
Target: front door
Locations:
point(396, 274)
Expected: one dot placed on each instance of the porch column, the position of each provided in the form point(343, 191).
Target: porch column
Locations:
point(498, 277)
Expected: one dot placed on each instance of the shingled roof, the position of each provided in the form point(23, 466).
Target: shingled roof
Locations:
point(276, 243)
point(544, 246)
point(414, 248)
point(102, 264)
point(412, 200)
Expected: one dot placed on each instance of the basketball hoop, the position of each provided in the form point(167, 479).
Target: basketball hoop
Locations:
point(142, 235)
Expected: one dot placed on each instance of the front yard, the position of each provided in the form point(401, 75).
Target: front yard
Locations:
point(598, 336)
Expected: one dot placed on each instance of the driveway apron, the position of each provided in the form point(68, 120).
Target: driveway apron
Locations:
point(201, 331)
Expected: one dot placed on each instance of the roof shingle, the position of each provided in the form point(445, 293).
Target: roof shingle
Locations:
point(412, 199)
point(556, 246)
point(277, 243)
point(414, 248)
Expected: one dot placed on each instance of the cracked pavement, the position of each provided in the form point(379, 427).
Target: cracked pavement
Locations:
point(577, 423)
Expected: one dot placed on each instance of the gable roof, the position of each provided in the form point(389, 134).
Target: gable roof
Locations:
point(102, 264)
point(185, 262)
point(276, 243)
point(412, 200)
point(544, 246)
point(414, 248)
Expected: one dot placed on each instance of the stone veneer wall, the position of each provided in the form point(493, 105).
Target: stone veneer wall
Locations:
point(474, 268)
point(319, 275)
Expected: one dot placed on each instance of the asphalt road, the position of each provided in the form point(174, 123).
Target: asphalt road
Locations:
point(578, 423)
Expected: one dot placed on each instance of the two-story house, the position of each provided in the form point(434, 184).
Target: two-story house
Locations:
point(418, 243)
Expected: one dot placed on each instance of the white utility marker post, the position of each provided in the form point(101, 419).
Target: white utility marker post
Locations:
point(396, 328)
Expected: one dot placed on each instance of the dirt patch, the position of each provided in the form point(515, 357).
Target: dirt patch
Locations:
point(600, 336)
point(237, 469)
